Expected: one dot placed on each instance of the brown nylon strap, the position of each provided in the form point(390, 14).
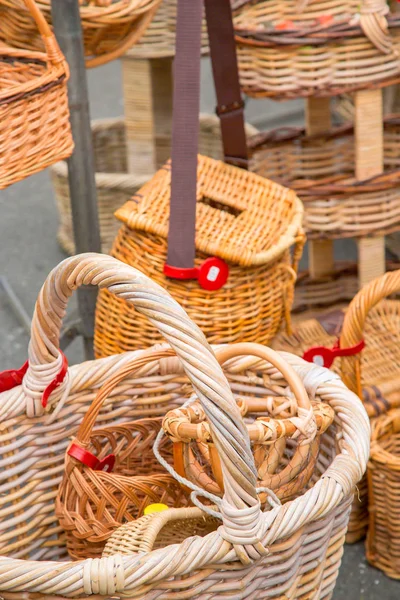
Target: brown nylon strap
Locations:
point(230, 107)
point(186, 103)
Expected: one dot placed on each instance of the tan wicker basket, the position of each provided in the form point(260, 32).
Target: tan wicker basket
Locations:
point(114, 184)
point(246, 220)
point(372, 373)
point(383, 544)
point(34, 115)
point(304, 537)
point(321, 169)
point(110, 27)
point(293, 48)
point(159, 39)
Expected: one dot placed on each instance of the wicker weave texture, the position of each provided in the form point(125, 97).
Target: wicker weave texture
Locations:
point(383, 547)
point(291, 49)
point(259, 292)
point(321, 169)
point(34, 115)
point(114, 184)
point(304, 537)
point(110, 27)
point(159, 39)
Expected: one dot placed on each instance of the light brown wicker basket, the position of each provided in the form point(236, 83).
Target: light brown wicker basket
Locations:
point(383, 544)
point(372, 373)
point(313, 48)
point(111, 474)
point(34, 115)
point(114, 184)
point(246, 220)
point(302, 539)
point(321, 169)
point(110, 27)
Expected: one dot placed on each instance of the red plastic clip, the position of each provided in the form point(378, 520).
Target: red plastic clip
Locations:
point(90, 460)
point(324, 357)
point(58, 379)
point(211, 275)
point(10, 379)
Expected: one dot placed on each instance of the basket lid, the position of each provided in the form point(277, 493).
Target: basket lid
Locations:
point(241, 217)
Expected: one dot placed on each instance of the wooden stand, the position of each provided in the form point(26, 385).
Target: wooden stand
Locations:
point(368, 128)
point(320, 252)
point(368, 124)
point(147, 89)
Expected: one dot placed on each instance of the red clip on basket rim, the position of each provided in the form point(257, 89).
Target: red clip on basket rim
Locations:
point(13, 377)
point(324, 357)
point(90, 460)
point(212, 274)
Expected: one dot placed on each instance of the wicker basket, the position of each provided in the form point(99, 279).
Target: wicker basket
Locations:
point(34, 115)
point(111, 474)
point(304, 537)
point(293, 48)
point(372, 373)
point(321, 169)
point(114, 184)
point(285, 432)
point(110, 27)
point(383, 543)
point(159, 39)
point(231, 204)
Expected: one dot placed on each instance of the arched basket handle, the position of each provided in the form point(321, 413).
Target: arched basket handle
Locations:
point(354, 322)
point(53, 51)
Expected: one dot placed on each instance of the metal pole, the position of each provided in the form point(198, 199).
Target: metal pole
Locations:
point(81, 174)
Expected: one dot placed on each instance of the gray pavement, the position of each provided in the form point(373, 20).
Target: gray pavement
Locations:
point(29, 250)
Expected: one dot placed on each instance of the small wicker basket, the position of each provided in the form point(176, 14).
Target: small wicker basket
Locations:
point(383, 543)
point(34, 115)
point(294, 48)
point(246, 220)
point(114, 184)
point(321, 169)
point(110, 27)
point(111, 474)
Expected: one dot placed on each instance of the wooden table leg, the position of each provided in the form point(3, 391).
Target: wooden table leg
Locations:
point(368, 128)
point(320, 252)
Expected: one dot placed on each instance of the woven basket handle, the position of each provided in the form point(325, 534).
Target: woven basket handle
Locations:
point(186, 339)
point(49, 39)
point(354, 321)
point(134, 364)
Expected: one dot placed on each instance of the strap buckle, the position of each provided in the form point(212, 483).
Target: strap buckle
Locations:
point(324, 357)
point(226, 109)
point(211, 275)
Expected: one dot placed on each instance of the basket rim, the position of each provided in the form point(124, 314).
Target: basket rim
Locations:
point(310, 36)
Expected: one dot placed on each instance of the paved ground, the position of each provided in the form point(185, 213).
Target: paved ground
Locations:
point(29, 250)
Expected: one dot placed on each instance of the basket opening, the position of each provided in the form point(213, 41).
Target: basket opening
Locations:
point(217, 205)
